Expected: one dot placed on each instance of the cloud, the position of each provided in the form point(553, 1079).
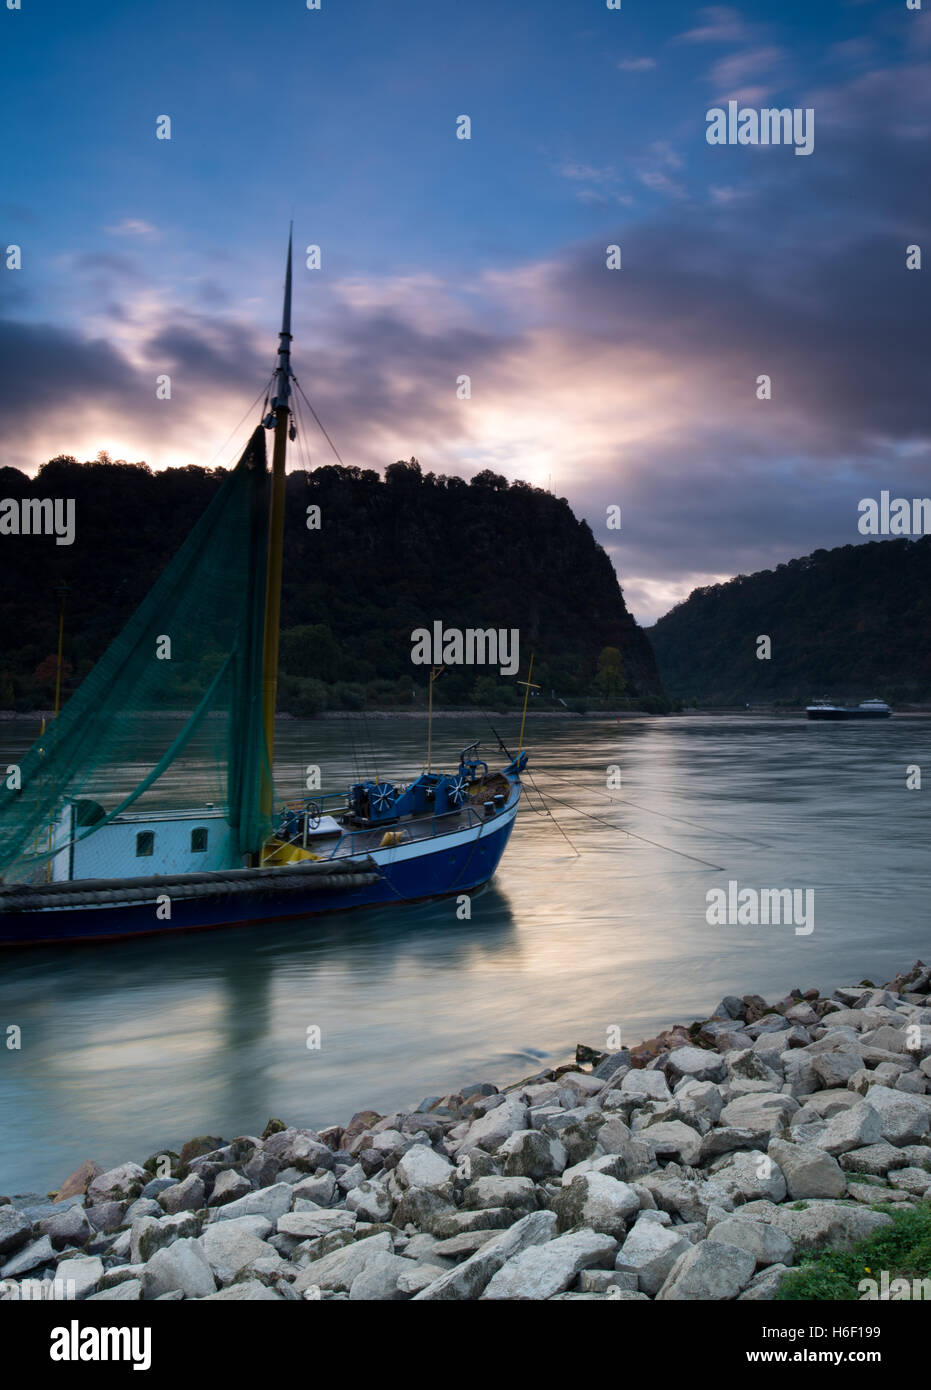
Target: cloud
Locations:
point(733, 72)
point(633, 387)
point(720, 24)
point(637, 64)
point(133, 227)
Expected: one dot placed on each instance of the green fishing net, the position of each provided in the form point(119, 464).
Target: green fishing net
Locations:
point(175, 701)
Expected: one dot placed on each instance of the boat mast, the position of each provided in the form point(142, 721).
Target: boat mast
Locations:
point(280, 416)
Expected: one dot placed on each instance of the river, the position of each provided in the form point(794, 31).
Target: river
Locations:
point(596, 920)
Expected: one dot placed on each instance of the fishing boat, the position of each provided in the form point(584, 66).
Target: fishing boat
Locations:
point(79, 864)
point(866, 709)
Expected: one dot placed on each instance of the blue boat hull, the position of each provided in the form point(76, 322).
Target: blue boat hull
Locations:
point(446, 870)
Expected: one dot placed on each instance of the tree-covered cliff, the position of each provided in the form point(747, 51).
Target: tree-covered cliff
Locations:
point(848, 623)
point(389, 555)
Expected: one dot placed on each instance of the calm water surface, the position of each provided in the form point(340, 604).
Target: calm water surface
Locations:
point(131, 1048)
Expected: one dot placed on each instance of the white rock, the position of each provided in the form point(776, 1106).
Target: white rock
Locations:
point(808, 1170)
point(369, 1202)
point(904, 1118)
point(852, 1129)
point(710, 1270)
point(650, 1251)
point(469, 1279)
point(84, 1270)
point(824, 1223)
point(309, 1225)
point(763, 1113)
point(230, 1249)
point(598, 1201)
point(270, 1202)
point(180, 1267)
point(491, 1130)
point(674, 1138)
point(380, 1279)
point(337, 1270)
point(544, 1270)
point(129, 1291)
point(648, 1085)
point(749, 1176)
point(421, 1166)
point(695, 1062)
point(766, 1243)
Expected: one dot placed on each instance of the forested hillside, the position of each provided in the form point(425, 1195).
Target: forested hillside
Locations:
point(390, 555)
point(847, 623)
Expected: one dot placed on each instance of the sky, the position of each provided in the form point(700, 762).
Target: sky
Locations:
point(444, 257)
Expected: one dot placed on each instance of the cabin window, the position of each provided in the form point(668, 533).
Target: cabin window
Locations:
point(199, 840)
point(145, 843)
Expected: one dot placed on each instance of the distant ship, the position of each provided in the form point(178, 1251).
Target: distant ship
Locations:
point(866, 709)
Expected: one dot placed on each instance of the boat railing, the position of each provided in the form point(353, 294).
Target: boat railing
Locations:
point(352, 842)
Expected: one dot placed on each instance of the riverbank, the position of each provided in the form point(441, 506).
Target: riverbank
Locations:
point(701, 1164)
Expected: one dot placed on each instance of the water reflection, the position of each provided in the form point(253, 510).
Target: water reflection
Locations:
point(595, 920)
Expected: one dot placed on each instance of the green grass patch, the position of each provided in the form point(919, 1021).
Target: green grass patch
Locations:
point(904, 1249)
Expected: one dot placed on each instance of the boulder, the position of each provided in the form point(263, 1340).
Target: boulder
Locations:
point(421, 1166)
point(336, 1271)
point(851, 1129)
point(182, 1267)
point(126, 1180)
point(70, 1226)
point(812, 1225)
point(310, 1225)
point(673, 1139)
point(379, 1280)
point(79, 1181)
point(711, 1270)
point(528, 1153)
point(749, 1176)
point(230, 1249)
point(875, 1160)
point(916, 1181)
point(128, 1291)
point(519, 1194)
point(650, 1252)
point(469, 1279)
point(765, 1285)
point(229, 1186)
point(595, 1200)
point(248, 1291)
point(490, 1130)
point(834, 1069)
point(188, 1195)
point(544, 1270)
point(695, 1063)
point(766, 1243)
point(270, 1202)
point(690, 1198)
point(370, 1201)
point(763, 1113)
point(808, 1170)
point(15, 1230)
point(646, 1085)
point(28, 1258)
point(904, 1118)
point(321, 1189)
point(80, 1276)
point(148, 1234)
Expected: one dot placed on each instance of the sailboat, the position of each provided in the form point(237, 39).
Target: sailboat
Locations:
point(83, 857)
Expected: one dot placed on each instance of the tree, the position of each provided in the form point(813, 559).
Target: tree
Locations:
point(610, 678)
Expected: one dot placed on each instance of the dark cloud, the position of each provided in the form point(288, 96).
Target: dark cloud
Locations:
point(636, 386)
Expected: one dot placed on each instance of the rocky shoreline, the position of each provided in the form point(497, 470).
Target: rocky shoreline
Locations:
point(699, 1165)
